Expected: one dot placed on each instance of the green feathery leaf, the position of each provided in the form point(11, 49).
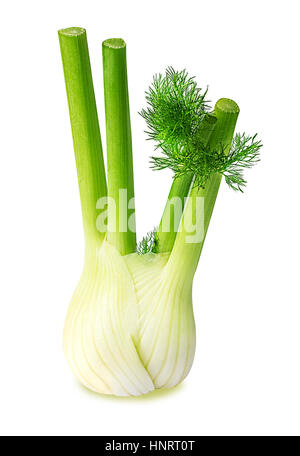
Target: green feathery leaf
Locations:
point(176, 108)
point(148, 243)
point(203, 162)
point(244, 153)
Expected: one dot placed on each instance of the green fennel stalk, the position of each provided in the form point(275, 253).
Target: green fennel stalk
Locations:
point(119, 146)
point(85, 126)
point(186, 255)
point(180, 188)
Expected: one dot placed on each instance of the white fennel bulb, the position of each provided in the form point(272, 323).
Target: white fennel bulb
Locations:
point(130, 326)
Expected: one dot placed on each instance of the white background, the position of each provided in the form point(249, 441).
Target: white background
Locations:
point(246, 375)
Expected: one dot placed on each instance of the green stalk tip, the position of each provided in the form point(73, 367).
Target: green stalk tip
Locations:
point(72, 31)
point(227, 106)
point(114, 43)
point(227, 112)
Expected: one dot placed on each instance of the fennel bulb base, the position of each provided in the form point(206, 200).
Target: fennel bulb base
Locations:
point(130, 326)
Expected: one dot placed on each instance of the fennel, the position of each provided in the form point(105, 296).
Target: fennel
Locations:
point(130, 326)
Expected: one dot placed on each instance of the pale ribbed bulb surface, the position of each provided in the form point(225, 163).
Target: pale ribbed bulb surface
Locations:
point(130, 326)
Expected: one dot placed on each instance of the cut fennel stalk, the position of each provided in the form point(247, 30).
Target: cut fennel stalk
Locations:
point(130, 327)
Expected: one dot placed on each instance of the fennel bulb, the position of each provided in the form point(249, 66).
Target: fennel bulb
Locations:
point(130, 327)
